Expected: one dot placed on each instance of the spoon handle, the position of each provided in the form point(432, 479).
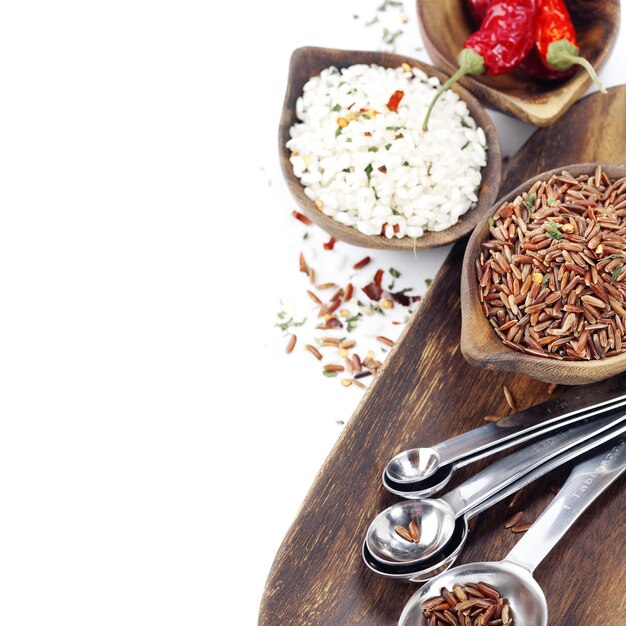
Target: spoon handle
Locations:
point(586, 482)
point(548, 466)
point(579, 400)
point(505, 471)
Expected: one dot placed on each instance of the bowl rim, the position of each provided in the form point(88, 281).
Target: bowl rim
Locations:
point(491, 173)
point(568, 91)
point(494, 354)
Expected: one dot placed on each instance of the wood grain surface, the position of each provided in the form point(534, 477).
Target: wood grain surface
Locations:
point(446, 24)
point(308, 62)
point(427, 392)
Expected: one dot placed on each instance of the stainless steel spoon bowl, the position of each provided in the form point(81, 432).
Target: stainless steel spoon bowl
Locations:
point(419, 472)
point(513, 575)
point(444, 558)
point(437, 518)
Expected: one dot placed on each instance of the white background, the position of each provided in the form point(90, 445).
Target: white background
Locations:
point(155, 440)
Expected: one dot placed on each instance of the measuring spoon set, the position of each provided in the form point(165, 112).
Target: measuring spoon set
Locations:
point(583, 421)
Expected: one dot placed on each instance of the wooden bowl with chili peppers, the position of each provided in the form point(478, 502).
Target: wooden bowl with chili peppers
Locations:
point(516, 75)
point(552, 305)
point(309, 62)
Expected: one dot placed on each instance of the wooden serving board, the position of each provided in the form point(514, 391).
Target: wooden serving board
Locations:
point(427, 392)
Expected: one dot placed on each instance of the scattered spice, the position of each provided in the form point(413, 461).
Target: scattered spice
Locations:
point(314, 351)
point(303, 266)
point(313, 297)
point(521, 528)
point(330, 244)
point(362, 263)
point(288, 323)
point(513, 520)
point(291, 344)
point(492, 418)
point(301, 217)
point(509, 398)
point(395, 99)
point(386, 341)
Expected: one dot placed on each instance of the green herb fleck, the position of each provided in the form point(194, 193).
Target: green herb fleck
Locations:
point(388, 146)
point(351, 322)
point(552, 229)
point(375, 308)
point(372, 149)
point(395, 212)
point(544, 282)
point(368, 171)
point(375, 193)
point(348, 139)
point(394, 272)
point(305, 236)
point(616, 272)
point(390, 37)
point(338, 131)
point(392, 127)
point(529, 203)
point(391, 285)
point(551, 201)
point(465, 124)
point(406, 164)
point(428, 281)
point(366, 116)
point(329, 374)
point(389, 3)
point(373, 21)
point(491, 222)
point(465, 145)
point(286, 325)
point(337, 107)
point(614, 256)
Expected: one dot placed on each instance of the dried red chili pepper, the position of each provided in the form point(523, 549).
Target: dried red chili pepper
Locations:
point(394, 101)
point(373, 291)
point(531, 64)
point(330, 244)
point(478, 9)
point(556, 39)
point(504, 38)
point(302, 218)
point(378, 277)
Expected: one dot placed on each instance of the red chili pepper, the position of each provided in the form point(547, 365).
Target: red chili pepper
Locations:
point(504, 38)
point(330, 244)
point(303, 218)
point(531, 64)
point(378, 277)
point(478, 9)
point(394, 101)
point(556, 39)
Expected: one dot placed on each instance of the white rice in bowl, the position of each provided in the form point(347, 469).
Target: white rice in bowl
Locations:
point(375, 169)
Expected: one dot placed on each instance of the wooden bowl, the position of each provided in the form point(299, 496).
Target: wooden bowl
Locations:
point(308, 62)
point(446, 24)
point(479, 343)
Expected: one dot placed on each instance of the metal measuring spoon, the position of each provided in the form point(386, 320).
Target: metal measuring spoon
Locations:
point(436, 518)
point(444, 558)
point(420, 472)
point(513, 575)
